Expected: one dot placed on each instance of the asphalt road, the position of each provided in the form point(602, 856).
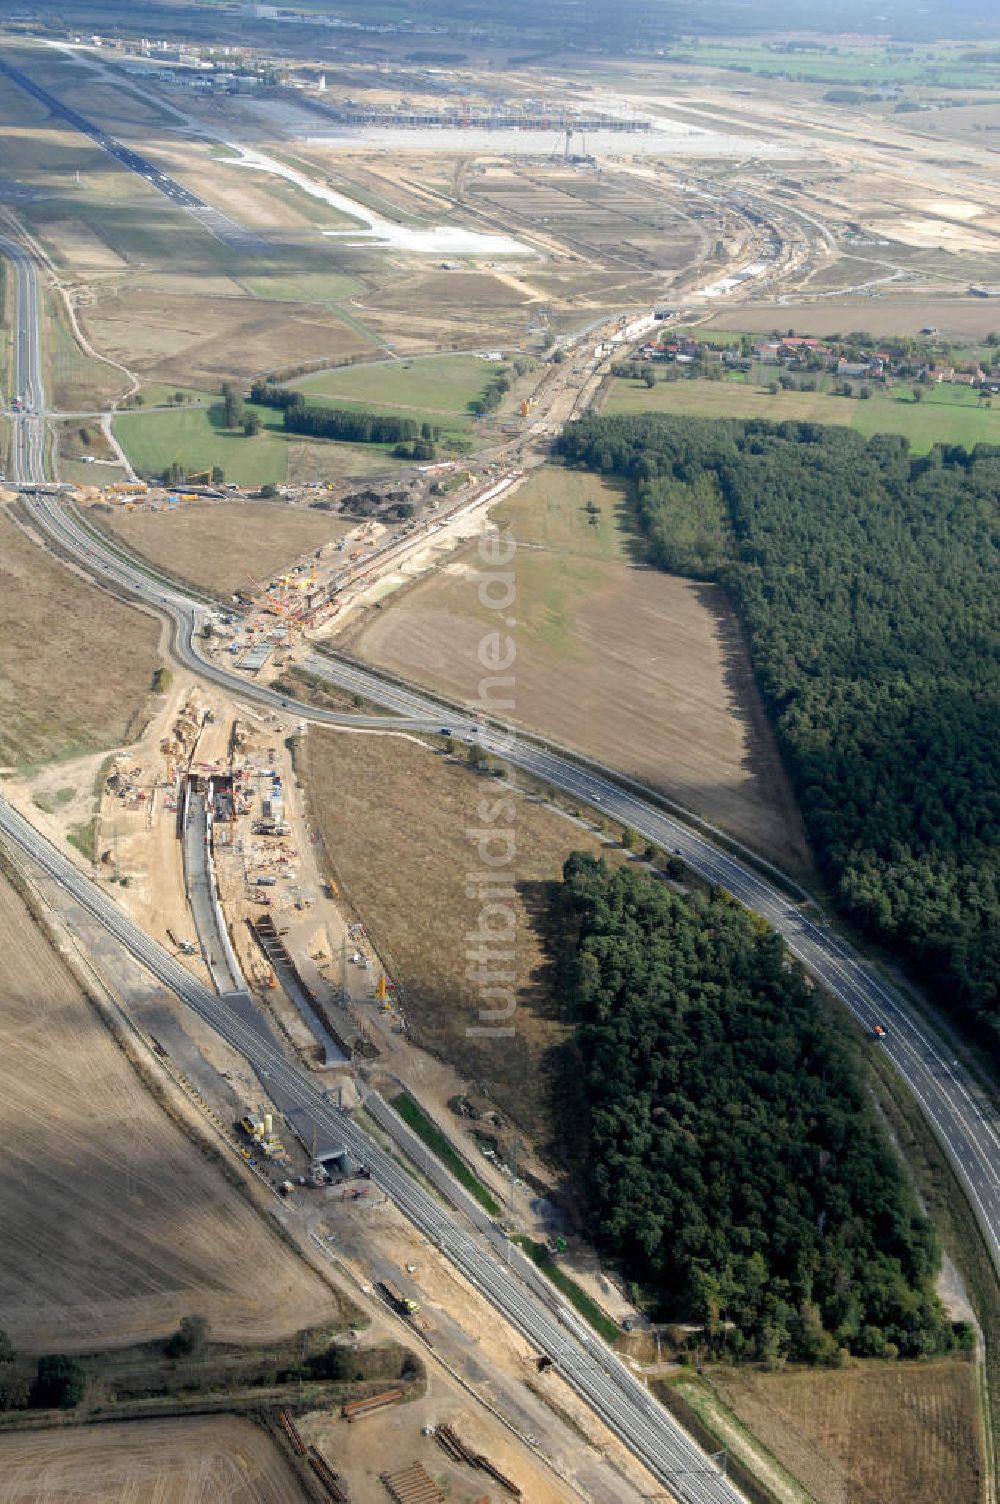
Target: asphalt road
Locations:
point(27, 456)
point(963, 1119)
point(480, 1250)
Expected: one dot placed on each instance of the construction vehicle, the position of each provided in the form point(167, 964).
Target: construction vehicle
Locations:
point(184, 946)
point(400, 1302)
point(199, 478)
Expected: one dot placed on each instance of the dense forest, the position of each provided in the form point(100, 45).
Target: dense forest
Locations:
point(867, 582)
point(729, 1154)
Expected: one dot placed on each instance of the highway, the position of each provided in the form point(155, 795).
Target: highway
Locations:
point(965, 1123)
point(27, 400)
point(963, 1119)
point(483, 1253)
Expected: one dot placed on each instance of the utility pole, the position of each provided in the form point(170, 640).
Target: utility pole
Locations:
point(515, 1147)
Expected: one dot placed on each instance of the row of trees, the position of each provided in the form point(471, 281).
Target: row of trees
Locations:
point(413, 440)
point(867, 582)
point(59, 1382)
point(350, 426)
point(721, 1133)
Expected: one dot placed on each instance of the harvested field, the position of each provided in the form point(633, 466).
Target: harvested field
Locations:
point(395, 819)
point(217, 547)
point(946, 415)
point(898, 1434)
point(115, 1223)
point(954, 317)
point(643, 671)
point(51, 703)
point(194, 340)
point(197, 1461)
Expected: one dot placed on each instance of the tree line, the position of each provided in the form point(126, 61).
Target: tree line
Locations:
point(866, 579)
point(347, 425)
point(722, 1135)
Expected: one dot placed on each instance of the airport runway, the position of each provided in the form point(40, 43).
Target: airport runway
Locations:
point(218, 224)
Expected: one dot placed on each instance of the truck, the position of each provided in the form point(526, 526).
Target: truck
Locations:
point(267, 882)
point(400, 1302)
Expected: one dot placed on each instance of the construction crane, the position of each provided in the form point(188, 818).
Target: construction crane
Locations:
point(265, 601)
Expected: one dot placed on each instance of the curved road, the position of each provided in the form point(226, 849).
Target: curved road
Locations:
point(965, 1123)
point(963, 1119)
point(484, 1255)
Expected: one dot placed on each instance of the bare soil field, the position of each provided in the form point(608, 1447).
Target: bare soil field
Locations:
point(395, 818)
point(898, 1434)
point(192, 340)
point(642, 671)
point(217, 547)
point(968, 317)
point(115, 1223)
point(608, 217)
point(199, 1461)
point(361, 1453)
point(52, 704)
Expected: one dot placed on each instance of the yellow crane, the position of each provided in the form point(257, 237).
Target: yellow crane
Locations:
point(265, 601)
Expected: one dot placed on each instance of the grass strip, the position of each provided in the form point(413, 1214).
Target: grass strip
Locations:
point(713, 1426)
point(414, 1116)
point(585, 1305)
point(84, 838)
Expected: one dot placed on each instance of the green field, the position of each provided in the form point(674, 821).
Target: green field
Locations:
point(947, 414)
point(849, 66)
point(192, 437)
point(577, 1296)
point(74, 381)
point(306, 287)
point(90, 475)
point(569, 512)
point(439, 388)
point(426, 1129)
point(153, 441)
